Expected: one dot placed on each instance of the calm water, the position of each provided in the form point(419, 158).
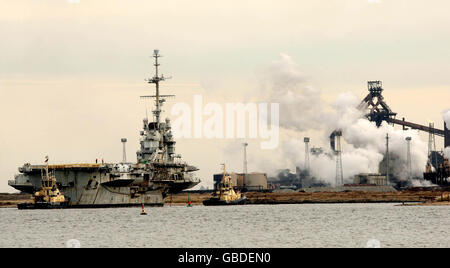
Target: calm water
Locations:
point(349, 225)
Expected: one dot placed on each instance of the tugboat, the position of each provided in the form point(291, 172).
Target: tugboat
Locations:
point(48, 196)
point(225, 195)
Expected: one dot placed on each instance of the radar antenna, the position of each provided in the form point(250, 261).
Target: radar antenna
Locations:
point(155, 80)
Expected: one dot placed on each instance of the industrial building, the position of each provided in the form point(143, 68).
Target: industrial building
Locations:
point(374, 179)
point(245, 181)
point(254, 181)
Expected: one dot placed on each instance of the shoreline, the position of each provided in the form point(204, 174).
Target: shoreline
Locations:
point(427, 204)
point(405, 198)
point(8, 200)
point(255, 198)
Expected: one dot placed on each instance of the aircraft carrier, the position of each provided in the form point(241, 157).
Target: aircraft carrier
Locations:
point(159, 171)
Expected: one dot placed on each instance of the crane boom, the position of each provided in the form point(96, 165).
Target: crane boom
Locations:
point(404, 123)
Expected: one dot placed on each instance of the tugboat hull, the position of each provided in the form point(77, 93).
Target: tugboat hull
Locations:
point(22, 206)
point(218, 202)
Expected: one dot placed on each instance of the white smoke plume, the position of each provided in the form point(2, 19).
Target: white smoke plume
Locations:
point(286, 85)
point(364, 145)
point(447, 152)
point(446, 116)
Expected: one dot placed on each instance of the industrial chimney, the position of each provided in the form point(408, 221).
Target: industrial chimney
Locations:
point(447, 136)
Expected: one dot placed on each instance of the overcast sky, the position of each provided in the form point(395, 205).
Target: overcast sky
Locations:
point(71, 73)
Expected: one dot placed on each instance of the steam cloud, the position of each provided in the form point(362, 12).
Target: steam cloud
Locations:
point(364, 145)
point(447, 152)
point(286, 85)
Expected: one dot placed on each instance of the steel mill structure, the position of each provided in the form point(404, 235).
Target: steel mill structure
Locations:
point(378, 111)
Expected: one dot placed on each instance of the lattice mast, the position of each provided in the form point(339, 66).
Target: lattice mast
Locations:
point(339, 168)
point(408, 158)
point(432, 147)
point(159, 99)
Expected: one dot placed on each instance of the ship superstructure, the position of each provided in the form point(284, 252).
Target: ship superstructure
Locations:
point(158, 171)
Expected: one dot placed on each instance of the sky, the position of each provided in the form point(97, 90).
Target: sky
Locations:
point(71, 72)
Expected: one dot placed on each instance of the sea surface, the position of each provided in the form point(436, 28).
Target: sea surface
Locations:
point(260, 226)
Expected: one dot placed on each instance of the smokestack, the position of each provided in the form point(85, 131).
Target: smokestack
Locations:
point(447, 136)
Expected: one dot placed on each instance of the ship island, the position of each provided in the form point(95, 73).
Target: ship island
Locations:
point(158, 171)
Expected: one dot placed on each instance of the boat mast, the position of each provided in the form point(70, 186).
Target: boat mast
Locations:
point(46, 171)
point(224, 171)
point(155, 80)
point(225, 178)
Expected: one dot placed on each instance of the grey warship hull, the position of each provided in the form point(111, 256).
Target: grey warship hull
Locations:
point(99, 186)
